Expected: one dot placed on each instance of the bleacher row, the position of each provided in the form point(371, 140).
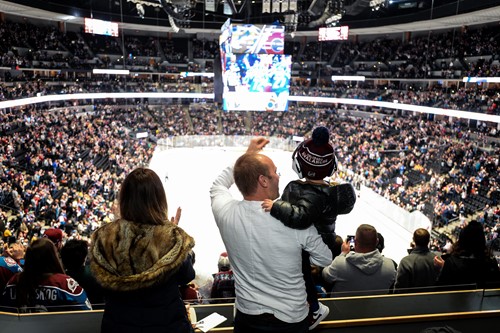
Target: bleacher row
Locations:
point(464, 311)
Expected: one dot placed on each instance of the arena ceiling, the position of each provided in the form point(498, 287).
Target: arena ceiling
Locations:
point(192, 16)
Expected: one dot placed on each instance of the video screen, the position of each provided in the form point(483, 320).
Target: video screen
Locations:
point(99, 27)
point(249, 38)
point(256, 82)
point(333, 33)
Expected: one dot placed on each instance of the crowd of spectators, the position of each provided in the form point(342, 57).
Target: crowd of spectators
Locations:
point(58, 166)
point(469, 51)
point(205, 49)
point(450, 54)
point(475, 98)
point(47, 47)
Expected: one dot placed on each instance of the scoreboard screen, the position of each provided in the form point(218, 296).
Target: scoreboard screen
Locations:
point(254, 71)
point(249, 38)
point(333, 33)
point(256, 82)
point(99, 27)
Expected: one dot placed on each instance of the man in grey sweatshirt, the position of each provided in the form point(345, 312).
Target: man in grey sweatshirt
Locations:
point(364, 271)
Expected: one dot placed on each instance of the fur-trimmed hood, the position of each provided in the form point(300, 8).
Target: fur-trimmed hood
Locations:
point(129, 256)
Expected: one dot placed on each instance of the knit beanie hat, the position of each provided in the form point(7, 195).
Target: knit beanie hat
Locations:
point(314, 158)
point(224, 262)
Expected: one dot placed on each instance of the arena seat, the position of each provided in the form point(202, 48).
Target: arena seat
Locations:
point(465, 311)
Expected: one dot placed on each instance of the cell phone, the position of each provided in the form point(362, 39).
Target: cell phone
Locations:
point(350, 240)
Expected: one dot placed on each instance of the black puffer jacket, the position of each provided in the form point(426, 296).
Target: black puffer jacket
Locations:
point(303, 204)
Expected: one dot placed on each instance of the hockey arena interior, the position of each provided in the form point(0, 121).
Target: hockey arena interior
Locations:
point(124, 124)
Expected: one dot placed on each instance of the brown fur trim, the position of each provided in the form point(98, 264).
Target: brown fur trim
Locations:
point(129, 256)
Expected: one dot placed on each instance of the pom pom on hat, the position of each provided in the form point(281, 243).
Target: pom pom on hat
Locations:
point(320, 136)
point(315, 158)
point(223, 263)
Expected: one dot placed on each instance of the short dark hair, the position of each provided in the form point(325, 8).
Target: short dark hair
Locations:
point(337, 246)
point(366, 236)
point(74, 253)
point(421, 237)
point(142, 198)
point(247, 170)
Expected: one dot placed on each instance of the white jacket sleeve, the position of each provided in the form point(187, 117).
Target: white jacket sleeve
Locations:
point(219, 192)
point(319, 252)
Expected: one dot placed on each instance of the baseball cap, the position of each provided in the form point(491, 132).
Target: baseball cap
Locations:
point(55, 235)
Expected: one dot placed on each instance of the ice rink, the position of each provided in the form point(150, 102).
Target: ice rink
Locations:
point(188, 174)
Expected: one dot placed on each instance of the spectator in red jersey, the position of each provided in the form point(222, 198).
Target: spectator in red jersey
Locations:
point(43, 275)
point(8, 267)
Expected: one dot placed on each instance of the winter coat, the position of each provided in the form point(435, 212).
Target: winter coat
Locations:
point(417, 270)
point(460, 271)
point(304, 204)
point(141, 267)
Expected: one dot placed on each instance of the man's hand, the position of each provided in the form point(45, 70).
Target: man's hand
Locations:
point(256, 144)
point(267, 204)
point(346, 247)
point(16, 251)
point(438, 262)
point(175, 219)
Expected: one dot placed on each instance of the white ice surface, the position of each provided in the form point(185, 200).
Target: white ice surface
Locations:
point(188, 174)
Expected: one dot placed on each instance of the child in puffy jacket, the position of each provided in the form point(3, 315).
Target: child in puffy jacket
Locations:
point(311, 200)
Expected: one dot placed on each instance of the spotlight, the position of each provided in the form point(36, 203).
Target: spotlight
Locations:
point(140, 10)
point(376, 4)
point(174, 26)
point(333, 12)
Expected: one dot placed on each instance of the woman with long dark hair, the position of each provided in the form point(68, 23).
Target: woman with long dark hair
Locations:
point(470, 262)
point(43, 284)
point(141, 259)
